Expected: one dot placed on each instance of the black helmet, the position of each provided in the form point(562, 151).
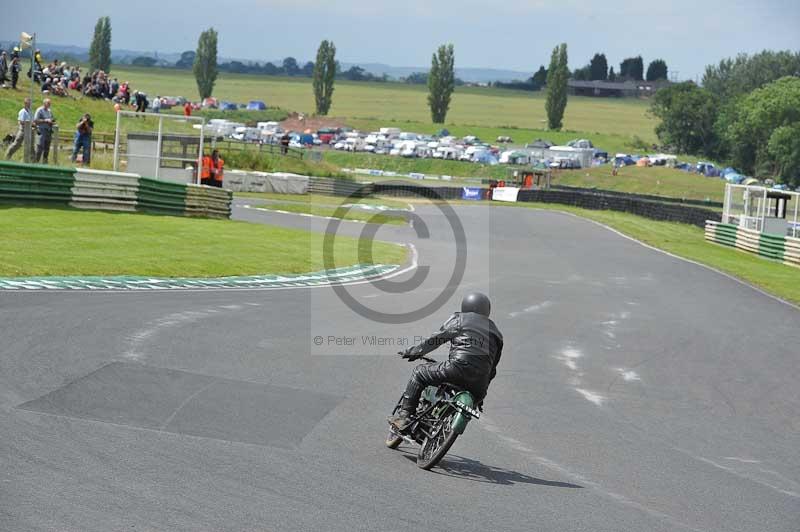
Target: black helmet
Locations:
point(477, 303)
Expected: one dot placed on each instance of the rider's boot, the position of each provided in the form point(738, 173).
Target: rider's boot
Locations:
point(402, 419)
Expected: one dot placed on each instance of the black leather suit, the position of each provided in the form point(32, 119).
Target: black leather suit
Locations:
point(475, 348)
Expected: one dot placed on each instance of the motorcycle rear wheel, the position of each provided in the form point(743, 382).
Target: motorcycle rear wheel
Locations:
point(435, 447)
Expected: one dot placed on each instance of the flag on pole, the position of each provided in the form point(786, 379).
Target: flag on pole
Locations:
point(25, 40)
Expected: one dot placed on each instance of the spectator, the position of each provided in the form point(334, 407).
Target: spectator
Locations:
point(125, 93)
point(140, 99)
point(15, 68)
point(3, 68)
point(114, 87)
point(285, 143)
point(156, 105)
point(47, 85)
point(23, 120)
point(212, 170)
point(187, 109)
point(83, 140)
point(43, 120)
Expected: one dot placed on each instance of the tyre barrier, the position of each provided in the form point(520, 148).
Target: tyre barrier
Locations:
point(106, 191)
point(84, 188)
point(781, 248)
point(34, 183)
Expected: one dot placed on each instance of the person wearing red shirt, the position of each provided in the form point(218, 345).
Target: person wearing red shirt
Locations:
point(187, 109)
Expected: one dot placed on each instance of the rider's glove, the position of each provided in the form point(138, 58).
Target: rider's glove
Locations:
point(407, 354)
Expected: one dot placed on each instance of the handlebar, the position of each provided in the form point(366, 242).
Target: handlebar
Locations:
point(426, 359)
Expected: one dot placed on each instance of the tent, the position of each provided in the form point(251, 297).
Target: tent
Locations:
point(539, 143)
point(256, 105)
point(227, 106)
point(580, 143)
point(733, 177)
point(485, 157)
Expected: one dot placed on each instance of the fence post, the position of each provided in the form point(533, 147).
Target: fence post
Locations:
point(55, 143)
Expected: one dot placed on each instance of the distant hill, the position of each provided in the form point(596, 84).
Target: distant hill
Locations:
point(123, 56)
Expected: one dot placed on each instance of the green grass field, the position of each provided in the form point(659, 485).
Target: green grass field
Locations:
point(658, 181)
point(53, 242)
point(369, 105)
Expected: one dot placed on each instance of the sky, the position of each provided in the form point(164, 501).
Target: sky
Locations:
point(512, 34)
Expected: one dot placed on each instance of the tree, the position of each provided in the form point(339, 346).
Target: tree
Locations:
point(598, 67)
point(290, 67)
point(632, 68)
point(656, 70)
point(557, 76)
point(739, 76)
point(417, 78)
point(205, 63)
point(612, 76)
point(270, 69)
point(100, 49)
point(764, 131)
point(308, 69)
point(105, 46)
point(324, 74)
point(687, 114)
point(582, 74)
point(539, 78)
point(441, 82)
point(186, 60)
point(144, 61)
point(355, 73)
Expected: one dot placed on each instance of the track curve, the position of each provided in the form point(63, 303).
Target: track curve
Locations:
point(637, 392)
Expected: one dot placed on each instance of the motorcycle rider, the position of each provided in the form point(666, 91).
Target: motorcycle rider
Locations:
point(475, 348)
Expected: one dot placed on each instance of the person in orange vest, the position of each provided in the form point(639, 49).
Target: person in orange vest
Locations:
point(212, 170)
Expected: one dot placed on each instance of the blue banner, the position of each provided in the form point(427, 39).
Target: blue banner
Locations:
point(471, 193)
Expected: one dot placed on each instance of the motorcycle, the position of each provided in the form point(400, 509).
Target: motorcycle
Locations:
point(441, 417)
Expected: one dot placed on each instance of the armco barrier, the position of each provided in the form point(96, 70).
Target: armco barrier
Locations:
point(34, 183)
point(649, 197)
point(783, 248)
point(649, 209)
point(436, 193)
point(104, 190)
point(339, 187)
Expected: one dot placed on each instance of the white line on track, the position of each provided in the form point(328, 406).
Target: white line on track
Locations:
point(533, 455)
point(690, 261)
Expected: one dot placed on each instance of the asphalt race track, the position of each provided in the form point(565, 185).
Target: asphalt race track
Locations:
point(637, 392)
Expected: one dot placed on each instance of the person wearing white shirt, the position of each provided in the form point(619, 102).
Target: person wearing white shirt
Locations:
point(24, 120)
point(156, 105)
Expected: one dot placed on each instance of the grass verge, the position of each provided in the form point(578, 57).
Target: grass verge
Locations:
point(321, 199)
point(657, 181)
point(353, 214)
point(689, 242)
point(58, 242)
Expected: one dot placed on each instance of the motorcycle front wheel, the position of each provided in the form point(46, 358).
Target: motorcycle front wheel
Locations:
point(435, 447)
